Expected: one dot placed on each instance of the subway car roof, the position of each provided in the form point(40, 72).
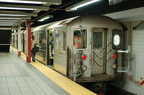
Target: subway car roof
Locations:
point(97, 20)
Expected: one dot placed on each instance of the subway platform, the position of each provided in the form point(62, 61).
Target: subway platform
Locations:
point(17, 77)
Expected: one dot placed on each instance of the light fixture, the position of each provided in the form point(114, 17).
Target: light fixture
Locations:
point(16, 8)
point(45, 18)
point(7, 22)
point(10, 18)
point(23, 7)
point(80, 4)
point(20, 1)
point(12, 8)
point(12, 15)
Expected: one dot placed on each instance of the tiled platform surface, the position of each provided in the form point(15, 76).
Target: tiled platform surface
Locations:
point(20, 78)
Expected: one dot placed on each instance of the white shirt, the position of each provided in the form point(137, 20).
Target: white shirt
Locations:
point(33, 43)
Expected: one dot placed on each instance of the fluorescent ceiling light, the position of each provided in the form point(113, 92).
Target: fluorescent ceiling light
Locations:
point(26, 2)
point(11, 15)
point(8, 21)
point(45, 18)
point(9, 18)
point(16, 8)
point(14, 17)
point(22, 7)
point(81, 4)
point(84, 4)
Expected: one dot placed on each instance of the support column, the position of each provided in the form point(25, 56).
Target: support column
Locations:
point(19, 41)
point(28, 59)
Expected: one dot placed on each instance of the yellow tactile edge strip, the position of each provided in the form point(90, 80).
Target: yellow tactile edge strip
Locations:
point(68, 85)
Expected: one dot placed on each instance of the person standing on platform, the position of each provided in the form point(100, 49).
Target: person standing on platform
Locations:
point(34, 48)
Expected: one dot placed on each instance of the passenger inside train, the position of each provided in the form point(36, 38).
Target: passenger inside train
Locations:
point(80, 38)
point(43, 43)
point(51, 44)
point(77, 39)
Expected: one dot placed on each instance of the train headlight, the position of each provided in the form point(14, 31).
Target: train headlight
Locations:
point(84, 56)
point(84, 67)
point(114, 66)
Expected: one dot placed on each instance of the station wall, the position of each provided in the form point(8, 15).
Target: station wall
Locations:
point(133, 80)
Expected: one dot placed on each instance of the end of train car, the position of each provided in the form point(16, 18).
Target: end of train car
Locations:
point(84, 48)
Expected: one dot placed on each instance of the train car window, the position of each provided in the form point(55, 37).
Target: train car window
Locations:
point(58, 42)
point(80, 38)
point(42, 39)
point(97, 40)
point(64, 40)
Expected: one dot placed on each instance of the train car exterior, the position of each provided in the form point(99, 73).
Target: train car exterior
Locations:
point(90, 58)
point(83, 48)
point(96, 56)
point(40, 35)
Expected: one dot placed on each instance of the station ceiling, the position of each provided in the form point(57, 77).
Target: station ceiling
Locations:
point(11, 16)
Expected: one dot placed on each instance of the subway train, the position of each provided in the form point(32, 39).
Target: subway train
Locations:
point(83, 48)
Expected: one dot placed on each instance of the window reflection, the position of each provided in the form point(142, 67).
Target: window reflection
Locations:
point(60, 40)
point(97, 40)
point(64, 40)
point(42, 42)
point(80, 38)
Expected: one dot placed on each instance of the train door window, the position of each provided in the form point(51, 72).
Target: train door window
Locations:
point(64, 40)
point(97, 40)
point(80, 38)
point(57, 42)
point(40, 36)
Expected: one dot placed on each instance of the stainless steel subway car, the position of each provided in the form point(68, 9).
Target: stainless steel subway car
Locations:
point(83, 48)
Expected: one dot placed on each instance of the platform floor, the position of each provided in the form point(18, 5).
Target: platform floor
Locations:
point(17, 77)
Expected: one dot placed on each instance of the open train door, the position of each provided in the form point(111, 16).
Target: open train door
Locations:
point(98, 51)
point(49, 48)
